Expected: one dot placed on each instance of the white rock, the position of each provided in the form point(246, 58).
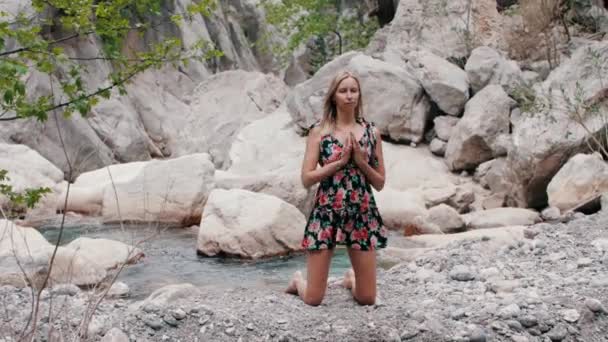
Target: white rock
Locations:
point(500, 217)
point(474, 137)
point(250, 225)
point(392, 98)
point(582, 178)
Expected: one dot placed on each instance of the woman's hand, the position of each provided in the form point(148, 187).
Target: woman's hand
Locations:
point(359, 155)
point(346, 153)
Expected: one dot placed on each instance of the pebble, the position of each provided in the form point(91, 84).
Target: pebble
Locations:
point(571, 315)
point(584, 262)
point(178, 314)
point(153, 323)
point(462, 273)
point(170, 320)
point(558, 333)
point(595, 305)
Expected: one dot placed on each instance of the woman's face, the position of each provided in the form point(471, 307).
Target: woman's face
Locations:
point(347, 94)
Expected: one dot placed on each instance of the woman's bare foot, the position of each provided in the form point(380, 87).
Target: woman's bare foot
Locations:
point(292, 288)
point(349, 279)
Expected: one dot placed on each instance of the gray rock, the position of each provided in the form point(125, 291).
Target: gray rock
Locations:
point(462, 273)
point(558, 333)
point(595, 305)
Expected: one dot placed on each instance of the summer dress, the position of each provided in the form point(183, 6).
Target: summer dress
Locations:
point(345, 211)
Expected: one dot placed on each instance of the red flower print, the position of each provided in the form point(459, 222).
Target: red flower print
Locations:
point(354, 196)
point(339, 199)
point(365, 202)
point(355, 246)
point(323, 199)
point(325, 234)
point(360, 235)
point(306, 242)
point(338, 176)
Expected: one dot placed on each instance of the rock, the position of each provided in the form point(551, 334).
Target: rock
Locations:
point(531, 233)
point(462, 273)
point(403, 117)
point(153, 322)
point(462, 199)
point(473, 139)
point(558, 333)
point(584, 262)
point(279, 174)
point(118, 290)
point(486, 66)
point(445, 217)
point(399, 208)
point(28, 169)
point(65, 290)
point(107, 253)
point(219, 110)
point(551, 214)
point(446, 83)
point(166, 295)
point(115, 335)
point(571, 315)
point(494, 201)
point(583, 177)
point(510, 311)
point(168, 191)
point(595, 305)
point(430, 170)
point(438, 146)
point(444, 125)
point(500, 217)
point(178, 314)
point(440, 27)
point(249, 225)
point(435, 196)
point(528, 321)
point(538, 150)
point(491, 175)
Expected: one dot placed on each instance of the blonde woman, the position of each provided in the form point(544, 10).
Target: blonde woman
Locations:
point(349, 152)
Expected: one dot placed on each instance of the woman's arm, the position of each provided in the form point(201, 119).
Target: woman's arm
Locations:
point(310, 173)
point(375, 175)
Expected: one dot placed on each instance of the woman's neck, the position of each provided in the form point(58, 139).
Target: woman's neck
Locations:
point(345, 119)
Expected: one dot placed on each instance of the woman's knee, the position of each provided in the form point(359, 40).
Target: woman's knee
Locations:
point(313, 300)
point(367, 299)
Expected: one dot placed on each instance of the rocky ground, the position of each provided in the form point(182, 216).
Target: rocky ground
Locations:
point(549, 287)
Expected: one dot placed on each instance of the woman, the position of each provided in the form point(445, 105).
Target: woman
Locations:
point(349, 151)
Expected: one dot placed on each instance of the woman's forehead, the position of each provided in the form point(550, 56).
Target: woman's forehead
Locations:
point(348, 82)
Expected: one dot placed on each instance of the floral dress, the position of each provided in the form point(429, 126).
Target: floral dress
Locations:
point(345, 211)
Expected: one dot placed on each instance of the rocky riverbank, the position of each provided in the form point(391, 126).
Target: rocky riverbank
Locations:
point(550, 286)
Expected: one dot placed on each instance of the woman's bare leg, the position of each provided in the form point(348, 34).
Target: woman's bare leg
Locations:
point(361, 280)
point(313, 291)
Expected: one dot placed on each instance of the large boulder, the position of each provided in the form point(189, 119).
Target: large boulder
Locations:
point(474, 139)
point(266, 157)
point(399, 208)
point(224, 104)
point(582, 178)
point(449, 29)
point(392, 97)
point(487, 66)
point(25, 255)
point(171, 191)
point(249, 225)
point(109, 254)
point(547, 136)
point(446, 83)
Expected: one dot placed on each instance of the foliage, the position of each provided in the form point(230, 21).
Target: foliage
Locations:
point(17, 200)
point(321, 24)
point(35, 42)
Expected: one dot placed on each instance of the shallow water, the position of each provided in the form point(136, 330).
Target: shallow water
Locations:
point(170, 257)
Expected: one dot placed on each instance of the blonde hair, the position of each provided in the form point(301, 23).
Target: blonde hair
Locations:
point(330, 111)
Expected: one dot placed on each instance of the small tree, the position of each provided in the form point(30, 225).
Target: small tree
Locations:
point(322, 23)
